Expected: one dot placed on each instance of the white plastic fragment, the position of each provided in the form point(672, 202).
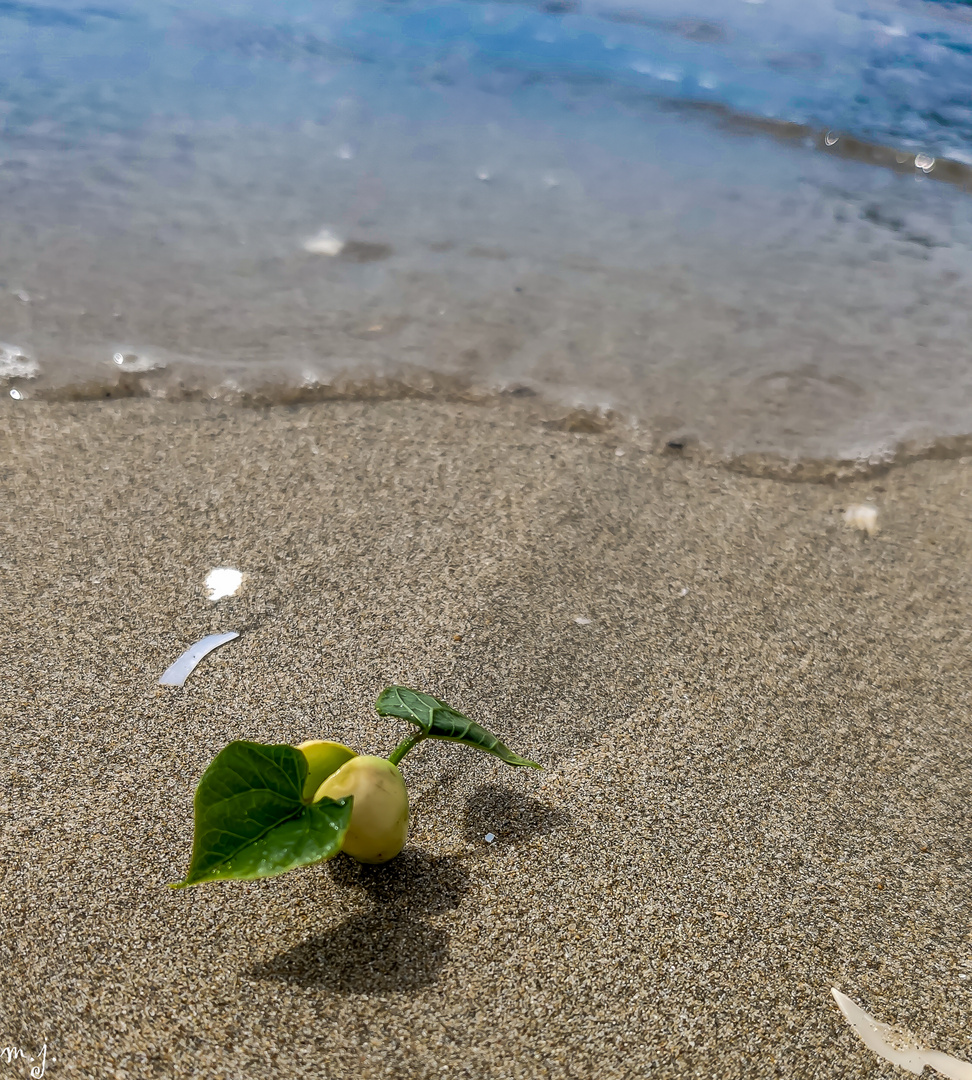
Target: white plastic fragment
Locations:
point(223, 581)
point(177, 673)
point(324, 243)
point(862, 516)
point(894, 1046)
point(581, 620)
point(489, 838)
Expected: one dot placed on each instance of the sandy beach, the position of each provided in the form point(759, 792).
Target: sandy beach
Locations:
point(754, 723)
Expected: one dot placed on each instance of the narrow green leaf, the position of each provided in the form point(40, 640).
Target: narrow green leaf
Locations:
point(437, 720)
point(252, 821)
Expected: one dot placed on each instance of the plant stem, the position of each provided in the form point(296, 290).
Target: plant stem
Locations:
point(404, 746)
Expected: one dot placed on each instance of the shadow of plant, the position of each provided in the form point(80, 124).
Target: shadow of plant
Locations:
point(509, 816)
point(390, 948)
point(415, 880)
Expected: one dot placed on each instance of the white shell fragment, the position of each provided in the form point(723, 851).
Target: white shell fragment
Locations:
point(862, 516)
point(901, 1050)
point(324, 243)
point(223, 581)
point(177, 673)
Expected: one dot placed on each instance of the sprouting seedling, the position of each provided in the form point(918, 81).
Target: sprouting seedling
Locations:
point(261, 809)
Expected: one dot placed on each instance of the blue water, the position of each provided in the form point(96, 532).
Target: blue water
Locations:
point(900, 77)
point(748, 221)
point(894, 74)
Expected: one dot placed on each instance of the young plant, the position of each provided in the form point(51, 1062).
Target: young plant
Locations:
point(264, 809)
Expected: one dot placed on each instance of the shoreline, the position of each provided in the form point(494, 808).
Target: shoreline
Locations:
point(529, 406)
point(754, 722)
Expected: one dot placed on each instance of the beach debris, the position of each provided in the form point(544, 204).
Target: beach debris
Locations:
point(862, 516)
point(489, 838)
point(898, 1048)
point(177, 673)
point(16, 394)
point(582, 620)
point(324, 243)
point(345, 152)
point(254, 817)
point(223, 581)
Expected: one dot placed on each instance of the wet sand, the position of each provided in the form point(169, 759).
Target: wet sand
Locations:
point(754, 722)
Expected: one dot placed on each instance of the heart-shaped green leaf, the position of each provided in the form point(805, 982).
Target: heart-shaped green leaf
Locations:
point(437, 720)
point(252, 821)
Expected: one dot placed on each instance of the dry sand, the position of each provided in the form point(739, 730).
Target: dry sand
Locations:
point(757, 750)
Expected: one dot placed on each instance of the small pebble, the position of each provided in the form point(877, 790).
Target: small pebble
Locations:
point(862, 516)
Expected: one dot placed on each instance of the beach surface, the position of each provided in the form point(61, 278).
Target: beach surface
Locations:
point(753, 721)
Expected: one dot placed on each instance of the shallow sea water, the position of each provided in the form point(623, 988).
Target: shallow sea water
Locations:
point(748, 224)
